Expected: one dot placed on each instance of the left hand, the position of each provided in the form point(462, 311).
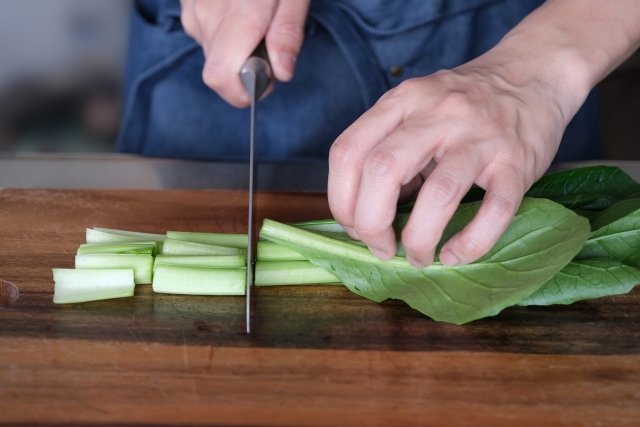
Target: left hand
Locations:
point(496, 121)
point(479, 125)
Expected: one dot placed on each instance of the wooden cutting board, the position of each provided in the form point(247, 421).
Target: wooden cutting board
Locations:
point(317, 356)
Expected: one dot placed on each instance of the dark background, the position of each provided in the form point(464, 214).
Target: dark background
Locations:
point(61, 73)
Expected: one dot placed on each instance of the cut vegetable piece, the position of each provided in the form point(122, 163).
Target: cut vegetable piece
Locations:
point(204, 261)
point(321, 225)
point(269, 251)
point(542, 238)
point(73, 286)
point(95, 237)
point(292, 273)
point(178, 279)
point(140, 264)
point(133, 234)
point(98, 236)
point(217, 239)
point(118, 248)
point(589, 278)
point(180, 247)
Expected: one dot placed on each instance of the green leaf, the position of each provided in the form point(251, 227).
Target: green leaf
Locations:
point(616, 235)
point(592, 188)
point(580, 280)
point(541, 240)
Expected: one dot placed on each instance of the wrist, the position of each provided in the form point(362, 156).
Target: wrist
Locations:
point(566, 47)
point(552, 63)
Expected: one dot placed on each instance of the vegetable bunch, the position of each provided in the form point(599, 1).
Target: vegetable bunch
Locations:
point(575, 236)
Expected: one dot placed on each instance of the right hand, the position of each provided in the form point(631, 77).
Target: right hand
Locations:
point(230, 30)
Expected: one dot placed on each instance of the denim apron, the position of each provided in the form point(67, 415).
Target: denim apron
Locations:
point(354, 51)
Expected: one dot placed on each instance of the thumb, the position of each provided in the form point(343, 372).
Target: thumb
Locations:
point(285, 35)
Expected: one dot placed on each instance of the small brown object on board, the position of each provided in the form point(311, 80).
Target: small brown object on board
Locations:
point(8, 293)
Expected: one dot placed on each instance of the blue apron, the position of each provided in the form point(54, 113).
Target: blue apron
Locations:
point(345, 65)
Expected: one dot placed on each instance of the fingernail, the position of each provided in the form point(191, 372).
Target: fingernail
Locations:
point(379, 254)
point(352, 233)
point(449, 259)
point(288, 63)
point(414, 263)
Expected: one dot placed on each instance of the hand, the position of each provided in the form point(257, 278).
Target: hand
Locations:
point(230, 30)
point(439, 135)
point(496, 121)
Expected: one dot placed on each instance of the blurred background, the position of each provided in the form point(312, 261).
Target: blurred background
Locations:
point(61, 70)
point(61, 73)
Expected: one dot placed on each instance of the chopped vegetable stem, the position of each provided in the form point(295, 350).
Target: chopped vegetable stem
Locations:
point(270, 251)
point(178, 279)
point(204, 261)
point(141, 264)
point(217, 239)
point(292, 273)
point(72, 286)
point(180, 247)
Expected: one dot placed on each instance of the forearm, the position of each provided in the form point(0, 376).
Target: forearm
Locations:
point(569, 46)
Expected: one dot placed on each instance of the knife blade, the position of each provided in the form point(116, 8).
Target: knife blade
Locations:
point(255, 75)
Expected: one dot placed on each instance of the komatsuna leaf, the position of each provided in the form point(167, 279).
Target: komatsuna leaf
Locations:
point(541, 240)
point(592, 188)
point(586, 279)
point(616, 234)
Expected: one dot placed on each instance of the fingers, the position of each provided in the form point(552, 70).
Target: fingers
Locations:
point(437, 201)
point(238, 32)
point(504, 194)
point(390, 165)
point(285, 35)
point(348, 154)
point(188, 19)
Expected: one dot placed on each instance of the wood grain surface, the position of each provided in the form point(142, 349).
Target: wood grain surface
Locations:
point(317, 356)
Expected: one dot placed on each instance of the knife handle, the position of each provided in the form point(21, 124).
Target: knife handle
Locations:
point(256, 72)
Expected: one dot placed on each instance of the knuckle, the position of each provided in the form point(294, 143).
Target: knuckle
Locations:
point(214, 75)
point(404, 90)
point(501, 208)
point(288, 33)
point(417, 245)
point(189, 24)
point(340, 210)
point(472, 245)
point(442, 189)
point(367, 231)
point(342, 152)
point(493, 129)
point(458, 102)
point(381, 162)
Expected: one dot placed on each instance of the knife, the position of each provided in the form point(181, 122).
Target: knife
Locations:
point(255, 75)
